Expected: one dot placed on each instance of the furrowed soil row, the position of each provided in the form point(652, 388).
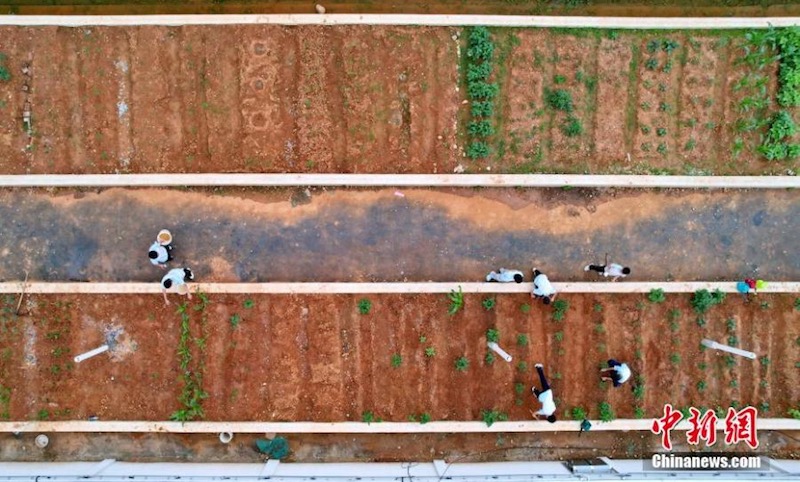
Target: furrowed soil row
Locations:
point(298, 358)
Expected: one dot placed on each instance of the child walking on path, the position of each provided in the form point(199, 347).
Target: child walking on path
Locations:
point(615, 270)
point(545, 396)
point(620, 372)
point(505, 276)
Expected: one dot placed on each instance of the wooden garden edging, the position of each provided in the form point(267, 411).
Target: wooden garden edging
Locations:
point(655, 23)
point(386, 288)
point(359, 427)
point(399, 180)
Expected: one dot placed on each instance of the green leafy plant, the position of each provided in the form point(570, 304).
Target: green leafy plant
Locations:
point(488, 303)
point(661, 131)
point(462, 364)
point(492, 335)
point(560, 308)
point(662, 149)
point(248, 303)
point(430, 352)
point(774, 145)
point(572, 126)
point(794, 413)
point(559, 99)
point(522, 366)
point(606, 412)
point(478, 150)
point(368, 417)
point(364, 306)
point(478, 72)
point(489, 359)
point(701, 386)
point(638, 413)
point(526, 308)
point(479, 44)
point(559, 336)
point(578, 413)
point(669, 45)
point(456, 301)
point(482, 90)
point(703, 300)
point(675, 358)
point(492, 416)
point(638, 391)
point(797, 304)
point(482, 108)
point(396, 360)
point(480, 128)
point(423, 338)
point(522, 339)
point(656, 295)
point(424, 418)
point(519, 388)
point(651, 63)
point(764, 360)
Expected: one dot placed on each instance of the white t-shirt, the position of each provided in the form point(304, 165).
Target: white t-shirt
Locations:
point(177, 276)
point(614, 270)
point(504, 276)
point(542, 286)
point(162, 257)
point(548, 405)
point(623, 371)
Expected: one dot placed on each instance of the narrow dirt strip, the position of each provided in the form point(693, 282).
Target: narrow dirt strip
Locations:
point(400, 180)
point(360, 427)
point(378, 288)
point(659, 23)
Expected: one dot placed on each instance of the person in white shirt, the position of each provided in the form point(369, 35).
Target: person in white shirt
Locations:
point(620, 372)
point(160, 255)
point(615, 270)
point(545, 396)
point(175, 280)
point(542, 289)
point(505, 276)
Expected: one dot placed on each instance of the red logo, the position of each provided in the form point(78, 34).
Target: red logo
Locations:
point(665, 424)
point(703, 428)
point(739, 426)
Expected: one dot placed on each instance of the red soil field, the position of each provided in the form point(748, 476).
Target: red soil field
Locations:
point(298, 358)
point(371, 99)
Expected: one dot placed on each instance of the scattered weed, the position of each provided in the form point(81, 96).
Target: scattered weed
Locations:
point(364, 306)
point(396, 360)
point(656, 295)
point(492, 416)
point(456, 301)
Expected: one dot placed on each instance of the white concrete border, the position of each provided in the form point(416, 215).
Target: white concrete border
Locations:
point(359, 427)
point(399, 180)
point(657, 23)
point(386, 288)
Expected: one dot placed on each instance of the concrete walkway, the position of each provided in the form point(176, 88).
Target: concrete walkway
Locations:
point(388, 235)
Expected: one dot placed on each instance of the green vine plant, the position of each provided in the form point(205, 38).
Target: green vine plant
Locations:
point(192, 394)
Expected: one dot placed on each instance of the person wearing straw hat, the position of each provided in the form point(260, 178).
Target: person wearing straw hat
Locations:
point(175, 280)
point(160, 252)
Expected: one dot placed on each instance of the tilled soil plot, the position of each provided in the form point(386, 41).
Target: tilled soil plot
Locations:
point(294, 358)
point(238, 98)
point(378, 99)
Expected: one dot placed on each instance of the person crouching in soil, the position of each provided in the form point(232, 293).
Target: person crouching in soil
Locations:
point(620, 372)
point(505, 276)
point(175, 281)
point(542, 289)
point(545, 396)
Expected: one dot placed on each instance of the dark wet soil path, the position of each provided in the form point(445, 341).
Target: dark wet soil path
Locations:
point(388, 235)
